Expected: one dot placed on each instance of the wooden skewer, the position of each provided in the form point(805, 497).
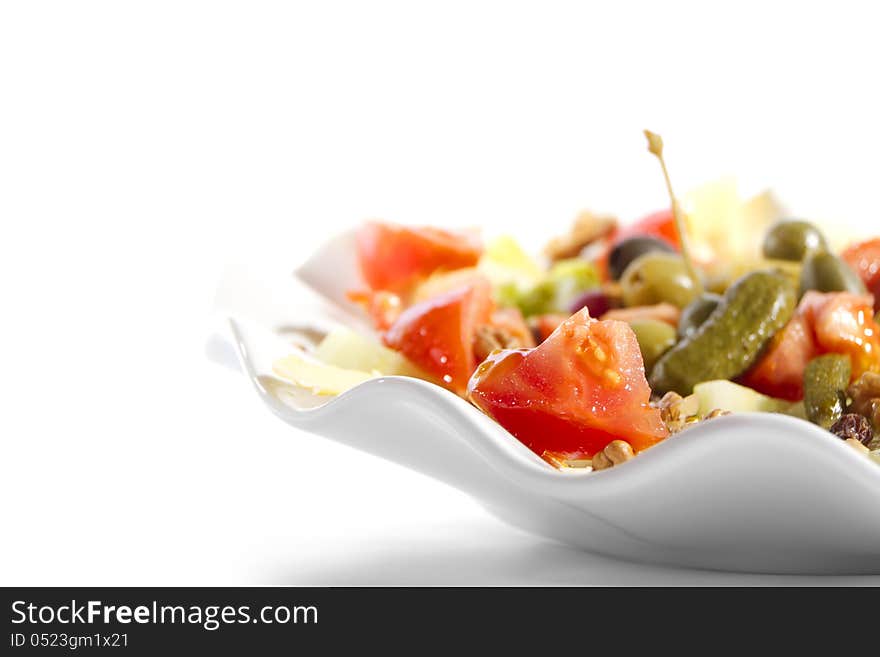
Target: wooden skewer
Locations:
point(655, 146)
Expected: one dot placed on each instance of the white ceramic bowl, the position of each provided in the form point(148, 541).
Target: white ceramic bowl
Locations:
point(747, 492)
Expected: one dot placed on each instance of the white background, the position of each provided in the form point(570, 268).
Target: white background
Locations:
point(143, 146)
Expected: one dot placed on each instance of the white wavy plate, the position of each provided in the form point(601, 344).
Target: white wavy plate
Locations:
point(750, 492)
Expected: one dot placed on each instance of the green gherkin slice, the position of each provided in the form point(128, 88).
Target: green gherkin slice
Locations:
point(731, 340)
point(825, 381)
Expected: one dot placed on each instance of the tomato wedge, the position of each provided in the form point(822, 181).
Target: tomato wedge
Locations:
point(382, 307)
point(844, 324)
point(832, 322)
point(395, 258)
point(437, 334)
point(780, 371)
point(580, 389)
point(660, 224)
point(864, 258)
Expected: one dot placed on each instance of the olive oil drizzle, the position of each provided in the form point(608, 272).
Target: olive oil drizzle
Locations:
point(655, 146)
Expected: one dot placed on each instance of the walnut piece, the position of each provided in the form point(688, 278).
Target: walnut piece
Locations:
point(488, 338)
point(615, 453)
point(677, 412)
point(586, 229)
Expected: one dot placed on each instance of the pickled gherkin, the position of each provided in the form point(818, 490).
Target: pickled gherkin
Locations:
point(825, 382)
point(732, 338)
point(697, 312)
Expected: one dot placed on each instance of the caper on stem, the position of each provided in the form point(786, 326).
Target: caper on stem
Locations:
point(655, 146)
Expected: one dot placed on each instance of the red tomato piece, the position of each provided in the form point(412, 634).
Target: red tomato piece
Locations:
point(844, 324)
point(831, 322)
point(437, 334)
point(780, 371)
point(864, 258)
point(659, 224)
point(441, 282)
point(383, 307)
point(396, 257)
point(580, 389)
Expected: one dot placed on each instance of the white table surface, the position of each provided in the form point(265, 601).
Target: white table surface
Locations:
point(227, 494)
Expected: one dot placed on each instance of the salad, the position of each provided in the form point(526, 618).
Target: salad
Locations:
point(621, 336)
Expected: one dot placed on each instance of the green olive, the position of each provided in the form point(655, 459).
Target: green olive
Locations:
point(697, 312)
point(656, 278)
point(790, 239)
point(825, 272)
point(630, 249)
point(654, 337)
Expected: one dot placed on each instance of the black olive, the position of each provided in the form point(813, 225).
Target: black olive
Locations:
point(631, 248)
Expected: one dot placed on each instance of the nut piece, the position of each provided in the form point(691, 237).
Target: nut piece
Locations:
point(489, 338)
point(601, 462)
point(586, 229)
point(615, 453)
point(853, 426)
point(865, 395)
point(677, 411)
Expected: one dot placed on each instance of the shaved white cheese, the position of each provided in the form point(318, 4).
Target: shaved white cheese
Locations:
point(320, 378)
